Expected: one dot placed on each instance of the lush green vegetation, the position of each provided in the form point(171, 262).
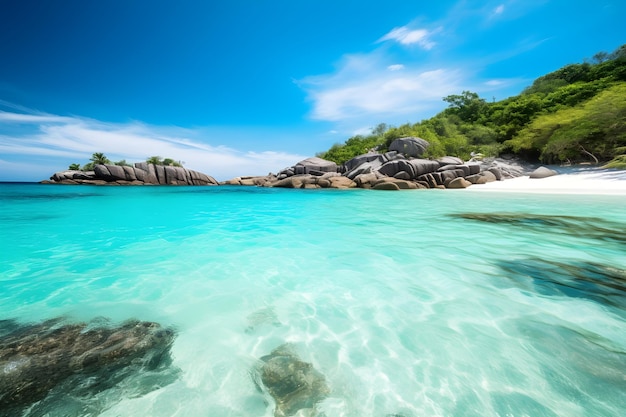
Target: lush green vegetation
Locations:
point(575, 114)
point(98, 158)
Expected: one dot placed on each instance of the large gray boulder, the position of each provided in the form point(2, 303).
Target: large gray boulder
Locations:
point(314, 166)
point(392, 168)
point(542, 172)
point(413, 167)
point(376, 159)
point(364, 168)
point(410, 146)
point(459, 183)
point(424, 166)
point(449, 160)
point(508, 168)
point(361, 159)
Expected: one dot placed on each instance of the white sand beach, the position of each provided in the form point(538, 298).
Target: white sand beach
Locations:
point(603, 182)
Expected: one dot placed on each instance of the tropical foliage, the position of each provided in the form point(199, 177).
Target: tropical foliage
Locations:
point(156, 160)
point(98, 158)
point(575, 114)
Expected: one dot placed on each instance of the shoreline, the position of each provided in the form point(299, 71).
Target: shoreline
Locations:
point(584, 183)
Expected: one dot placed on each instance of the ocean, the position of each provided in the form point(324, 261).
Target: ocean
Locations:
point(410, 304)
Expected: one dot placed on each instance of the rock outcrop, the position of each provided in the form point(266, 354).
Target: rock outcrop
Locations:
point(389, 171)
point(293, 384)
point(140, 174)
point(35, 359)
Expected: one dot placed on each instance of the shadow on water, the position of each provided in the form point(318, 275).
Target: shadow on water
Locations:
point(583, 227)
point(80, 369)
point(600, 283)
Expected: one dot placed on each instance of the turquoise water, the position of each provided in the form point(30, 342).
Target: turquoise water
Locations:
point(407, 305)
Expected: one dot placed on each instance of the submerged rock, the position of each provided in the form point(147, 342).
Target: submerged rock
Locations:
point(293, 384)
point(582, 227)
point(604, 284)
point(34, 359)
point(314, 166)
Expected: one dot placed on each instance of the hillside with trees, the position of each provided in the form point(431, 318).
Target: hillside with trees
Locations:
point(573, 115)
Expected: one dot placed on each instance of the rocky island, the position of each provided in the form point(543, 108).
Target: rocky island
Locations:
point(142, 173)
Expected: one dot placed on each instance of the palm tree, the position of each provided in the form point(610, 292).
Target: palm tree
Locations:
point(74, 167)
point(98, 158)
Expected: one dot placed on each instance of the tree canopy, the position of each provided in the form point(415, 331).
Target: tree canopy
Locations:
point(98, 158)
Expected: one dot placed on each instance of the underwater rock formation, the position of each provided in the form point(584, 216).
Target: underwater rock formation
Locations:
point(36, 358)
point(581, 227)
point(294, 384)
point(603, 284)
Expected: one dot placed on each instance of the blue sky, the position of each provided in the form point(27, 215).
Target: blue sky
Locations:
point(250, 87)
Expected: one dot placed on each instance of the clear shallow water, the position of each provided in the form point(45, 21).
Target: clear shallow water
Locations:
point(406, 306)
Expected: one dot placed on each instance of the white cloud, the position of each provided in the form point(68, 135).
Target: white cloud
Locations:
point(363, 89)
point(498, 10)
point(57, 141)
point(395, 67)
point(406, 36)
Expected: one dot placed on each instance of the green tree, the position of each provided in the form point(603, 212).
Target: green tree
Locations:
point(171, 162)
point(467, 105)
point(74, 167)
point(380, 129)
point(156, 160)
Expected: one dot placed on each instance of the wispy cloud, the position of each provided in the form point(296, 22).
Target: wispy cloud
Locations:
point(395, 67)
point(499, 9)
point(407, 36)
point(57, 141)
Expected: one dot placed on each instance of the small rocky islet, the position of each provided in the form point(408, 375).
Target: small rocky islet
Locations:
point(401, 168)
point(142, 173)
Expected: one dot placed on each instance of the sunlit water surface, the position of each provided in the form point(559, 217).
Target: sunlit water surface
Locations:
point(409, 303)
